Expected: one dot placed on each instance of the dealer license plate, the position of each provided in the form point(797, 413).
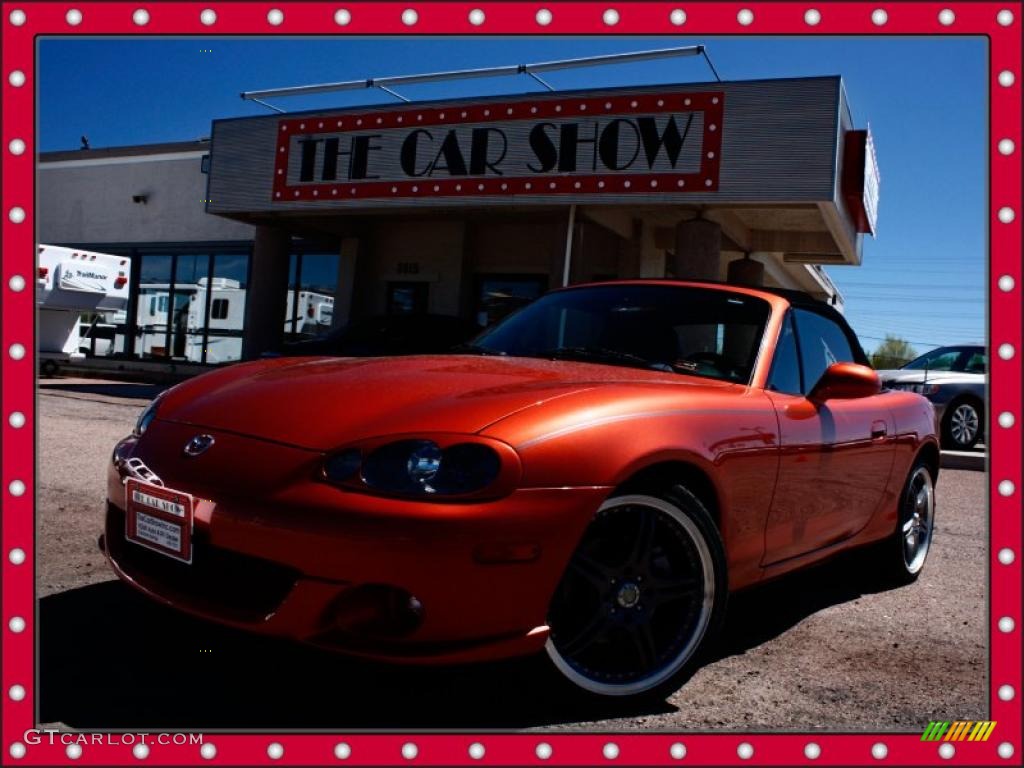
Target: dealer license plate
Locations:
point(160, 519)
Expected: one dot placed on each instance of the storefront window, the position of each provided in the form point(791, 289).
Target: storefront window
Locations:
point(223, 300)
point(312, 283)
point(151, 320)
point(407, 298)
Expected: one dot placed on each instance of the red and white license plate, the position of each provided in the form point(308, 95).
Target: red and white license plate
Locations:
point(159, 518)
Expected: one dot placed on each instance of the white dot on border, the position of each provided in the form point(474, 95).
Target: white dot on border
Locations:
point(477, 17)
point(544, 17)
point(610, 751)
point(140, 751)
point(17, 17)
point(342, 751)
point(1006, 693)
point(16, 214)
point(1006, 625)
point(878, 18)
point(16, 78)
point(677, 17)
point(1006, 146)
point(1006, 78)
point(16, 283)
point(16, 488)
point(610, 17)
point(17, 750)
point(208, 751)
point(73, 17)
point(16, 692)
point(812, 17)
point(1005, 19)
point(1006, 488)
point(1006, 556)
point(410, 750)
point(140, 17)
point(946, 17)
point(1006, 420)
point(73, 751)
point(879, 751)
point(745, 751)
point(543, 750)
point(16, 147)
point(275, 751)
point(17, 556)
point(476, 750)
point(17, 351)
point(1005, 750)
point(1006, 283)
point(1006, 215)
point(745, 17)
point(1006, 351)
point(342, 17)
point(16, 625)
point(410, 17)
point(677, 751)
point(812, 751)
point(275, 16)
point(208, 16)
point(946, 751)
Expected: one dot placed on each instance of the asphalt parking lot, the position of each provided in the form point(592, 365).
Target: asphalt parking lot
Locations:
point(826, 649)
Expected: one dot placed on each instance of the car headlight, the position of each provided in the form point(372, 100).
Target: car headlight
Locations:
point(146, 417)
point(419, 468)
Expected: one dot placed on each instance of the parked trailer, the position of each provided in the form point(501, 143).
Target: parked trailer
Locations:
point(70, 282)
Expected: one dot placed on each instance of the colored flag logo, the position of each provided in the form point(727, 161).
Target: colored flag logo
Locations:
point(958, 730)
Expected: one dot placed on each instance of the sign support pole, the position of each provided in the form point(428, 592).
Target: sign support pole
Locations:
point(567, 262)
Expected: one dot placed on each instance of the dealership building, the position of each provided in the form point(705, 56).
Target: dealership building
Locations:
point(465, 207)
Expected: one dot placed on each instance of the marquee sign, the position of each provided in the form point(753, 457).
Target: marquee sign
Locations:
point(661, 143)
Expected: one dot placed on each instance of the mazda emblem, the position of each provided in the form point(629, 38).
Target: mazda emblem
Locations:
point(198, 445)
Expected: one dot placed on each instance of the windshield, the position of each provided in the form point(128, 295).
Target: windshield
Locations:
point(950, 359)
point(697, 331)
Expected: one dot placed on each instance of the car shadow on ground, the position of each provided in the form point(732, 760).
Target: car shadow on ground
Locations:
point(112, 659)
point(128, 390)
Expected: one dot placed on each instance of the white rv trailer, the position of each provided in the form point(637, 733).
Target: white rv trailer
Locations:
point(227, 316)
point(70, 282)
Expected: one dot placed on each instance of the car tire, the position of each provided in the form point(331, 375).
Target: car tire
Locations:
point(644, 591)
point(48, 368)
point(961, 425)
point(899, 558)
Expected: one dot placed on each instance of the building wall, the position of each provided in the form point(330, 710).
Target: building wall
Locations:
point(90, 201)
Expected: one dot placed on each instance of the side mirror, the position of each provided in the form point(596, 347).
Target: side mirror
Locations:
point(845, 381)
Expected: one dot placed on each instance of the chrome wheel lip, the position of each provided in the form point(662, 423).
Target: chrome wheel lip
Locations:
point(964, 423)
point(667, 671)
point(917, 519)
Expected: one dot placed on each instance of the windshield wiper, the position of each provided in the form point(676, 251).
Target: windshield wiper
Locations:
point(603, 355)
point(476, 349)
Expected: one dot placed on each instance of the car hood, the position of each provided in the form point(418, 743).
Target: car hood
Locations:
point(324, 403)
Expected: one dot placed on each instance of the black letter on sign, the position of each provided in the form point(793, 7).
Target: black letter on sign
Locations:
point(455, 164)
point(670, 138)
point(407, 155)
point(609, 145)
point(569, 144)
point(361, 148)
point(308, 158)
point(478, 160)
point(543, 148)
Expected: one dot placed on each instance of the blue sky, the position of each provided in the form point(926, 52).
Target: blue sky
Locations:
point(923, 278)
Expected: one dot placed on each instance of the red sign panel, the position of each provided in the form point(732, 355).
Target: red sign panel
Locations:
point(650, 143)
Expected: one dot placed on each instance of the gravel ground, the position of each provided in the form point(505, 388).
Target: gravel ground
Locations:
point(820, 650)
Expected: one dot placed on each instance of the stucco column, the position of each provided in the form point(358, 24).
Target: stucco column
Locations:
point(347, 256)
point(746, 271)
point(698, 250)
point(267, 292)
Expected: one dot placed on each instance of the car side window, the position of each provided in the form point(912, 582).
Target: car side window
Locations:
point(822, 342)
point(785, 373)
point(977, 363)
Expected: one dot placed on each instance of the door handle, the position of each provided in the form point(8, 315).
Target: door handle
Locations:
point(878, 430)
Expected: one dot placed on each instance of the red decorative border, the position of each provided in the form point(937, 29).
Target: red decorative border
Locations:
point(236, 18)
point(541, 185)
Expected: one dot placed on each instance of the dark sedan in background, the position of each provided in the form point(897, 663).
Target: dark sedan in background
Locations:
point(954, 379)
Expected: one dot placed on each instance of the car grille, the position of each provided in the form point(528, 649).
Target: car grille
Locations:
point(218, 582)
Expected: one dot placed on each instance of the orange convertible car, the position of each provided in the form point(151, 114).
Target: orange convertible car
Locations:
point(592, 476)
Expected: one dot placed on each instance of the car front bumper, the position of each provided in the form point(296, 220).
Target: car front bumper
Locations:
point(383, 578)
